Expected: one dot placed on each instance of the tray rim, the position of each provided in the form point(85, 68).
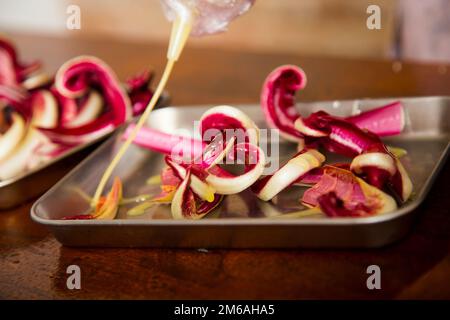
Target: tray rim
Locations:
point(408, 208)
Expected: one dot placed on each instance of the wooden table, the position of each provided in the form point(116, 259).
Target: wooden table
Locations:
point(33, 264)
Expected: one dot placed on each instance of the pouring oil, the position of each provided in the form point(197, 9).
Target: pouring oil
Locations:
point(181, 29)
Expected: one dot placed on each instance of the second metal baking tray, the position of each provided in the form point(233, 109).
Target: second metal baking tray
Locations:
point(241, 221)
point(34, 182)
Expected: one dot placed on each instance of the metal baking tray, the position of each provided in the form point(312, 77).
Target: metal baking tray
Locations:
point(35, 182)
point(241, 221)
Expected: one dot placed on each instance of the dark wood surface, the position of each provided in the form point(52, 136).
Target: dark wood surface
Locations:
point(33, 264)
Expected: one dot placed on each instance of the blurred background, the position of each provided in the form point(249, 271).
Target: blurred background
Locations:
point(410, 29)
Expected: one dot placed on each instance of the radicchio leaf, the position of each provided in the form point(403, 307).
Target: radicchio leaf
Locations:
point(278, 100)
point(185, 205)
point(138, 88)
point(339, 193)
point(278, 105)
point(372, 160)
point(12, 71)
point(74, 80)
point(296, 168)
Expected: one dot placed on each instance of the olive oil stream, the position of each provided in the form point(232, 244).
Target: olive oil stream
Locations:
point(180, 32)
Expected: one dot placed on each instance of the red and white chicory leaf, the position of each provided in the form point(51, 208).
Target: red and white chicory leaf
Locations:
point(13, 136)
point(45, 109)
point(372, 160)
point(279, 107)
point(228, 121)
point(296, 168)
point(254, 160)
point(138, 88)
point(339, 193)
point(278, 100)
point(166, 143)
point(12, 71)
point(186, 206)
point(384, 121)
point(75, 79)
